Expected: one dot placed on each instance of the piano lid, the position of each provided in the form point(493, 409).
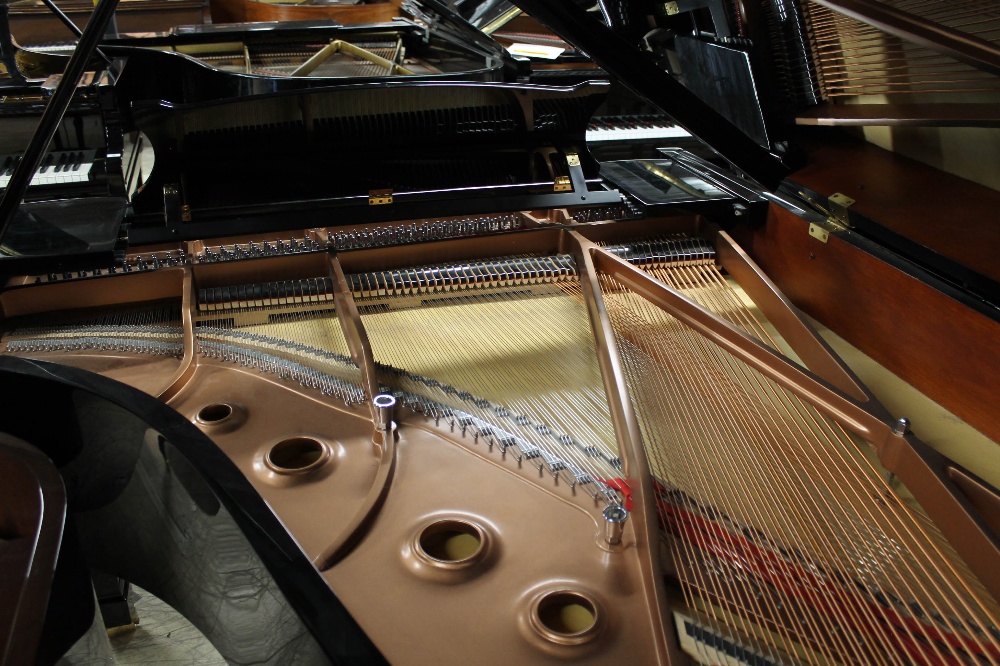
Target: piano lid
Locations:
point(64, 234)
point(382, 151)
point(710, 103)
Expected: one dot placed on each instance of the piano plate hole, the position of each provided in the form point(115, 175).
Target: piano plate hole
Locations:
point(566, 617)
point(218, 412)
point(297, 455)
point(451, 541)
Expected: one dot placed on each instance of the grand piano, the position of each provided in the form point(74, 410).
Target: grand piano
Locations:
point(393, 369)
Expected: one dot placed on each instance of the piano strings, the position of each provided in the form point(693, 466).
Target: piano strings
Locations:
point(359, 58)
point(782, 531)
point(777, 521)
point(854, 58)
point(311, 367)
point(517, 356)
point(975, 17)
point(287, 328)
point(150, 329)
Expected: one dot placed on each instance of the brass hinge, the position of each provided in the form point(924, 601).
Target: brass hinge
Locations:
point(562, 184)
point(837, 217)
point(379, 197)
point(671, 8)
point(819, 232)
point(839, 203)
point(572, 159)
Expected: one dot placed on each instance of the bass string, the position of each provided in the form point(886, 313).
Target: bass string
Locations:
point(855, 58)
point(876, 554)
point(786, 510)
point(945, 565)
point(936, 562)
point(980, 15)
point(687, 455)
point(740, 474)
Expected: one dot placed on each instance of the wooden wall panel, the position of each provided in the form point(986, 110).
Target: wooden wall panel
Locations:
point(954, 217)
point(943, 348)
point(370, 13)
point(241, 11)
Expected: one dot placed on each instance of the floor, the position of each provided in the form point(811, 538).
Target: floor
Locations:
point(162, 636)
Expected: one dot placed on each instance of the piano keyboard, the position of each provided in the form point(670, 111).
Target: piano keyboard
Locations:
point(633, 128)
point(59, 167)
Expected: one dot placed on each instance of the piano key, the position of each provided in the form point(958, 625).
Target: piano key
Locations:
point(633, 128)
point(56, 168)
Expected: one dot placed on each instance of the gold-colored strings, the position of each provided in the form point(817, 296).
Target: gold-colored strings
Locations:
point(853, 58)
point(660, 392)
point(902, 515)
point(710, 295)
point(723, 299)
point(977, 17)
point(899, 515)
point(282, 61)
point(697, 455)
point(524, 375)
point(783, 603)
point(710, 419)
point(531, 355)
